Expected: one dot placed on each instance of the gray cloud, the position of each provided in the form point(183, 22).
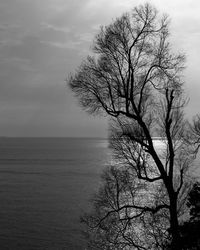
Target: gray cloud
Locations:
point(52, 27)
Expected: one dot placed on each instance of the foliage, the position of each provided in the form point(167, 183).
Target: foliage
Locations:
point(194, 202)
point(189, 230)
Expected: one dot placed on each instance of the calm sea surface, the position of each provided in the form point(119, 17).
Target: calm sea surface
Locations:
point(45, 184)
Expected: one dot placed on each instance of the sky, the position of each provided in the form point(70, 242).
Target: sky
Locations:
point(42, 41)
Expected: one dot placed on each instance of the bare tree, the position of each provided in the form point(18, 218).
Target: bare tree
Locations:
point(134, 78)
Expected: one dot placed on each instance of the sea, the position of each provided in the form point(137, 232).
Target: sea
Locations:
point(46, 184)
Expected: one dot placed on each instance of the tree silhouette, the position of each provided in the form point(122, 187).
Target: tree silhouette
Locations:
point(194, 202)
point(136, 79)
point(189, 230)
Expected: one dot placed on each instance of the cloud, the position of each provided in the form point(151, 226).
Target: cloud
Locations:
point(21, 63)
point(63, 45)
point(85, 37)
point(10, 42)
point(52, 27)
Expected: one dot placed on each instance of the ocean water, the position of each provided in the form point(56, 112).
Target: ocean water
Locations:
point(45, 185)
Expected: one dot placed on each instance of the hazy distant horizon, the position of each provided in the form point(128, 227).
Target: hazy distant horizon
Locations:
point(73, 137)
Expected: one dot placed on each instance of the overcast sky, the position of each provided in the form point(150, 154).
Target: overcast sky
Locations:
point(42, 41)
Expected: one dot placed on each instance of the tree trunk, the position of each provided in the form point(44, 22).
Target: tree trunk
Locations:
point(174, 225)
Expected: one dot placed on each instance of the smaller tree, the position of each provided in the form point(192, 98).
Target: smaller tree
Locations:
point(194, 202)
point(190, 229)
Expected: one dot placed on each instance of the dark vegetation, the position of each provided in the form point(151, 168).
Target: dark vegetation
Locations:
point(147, 194)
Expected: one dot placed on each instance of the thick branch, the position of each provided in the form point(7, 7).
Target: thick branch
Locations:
point(168, 122)
point(144, 209)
